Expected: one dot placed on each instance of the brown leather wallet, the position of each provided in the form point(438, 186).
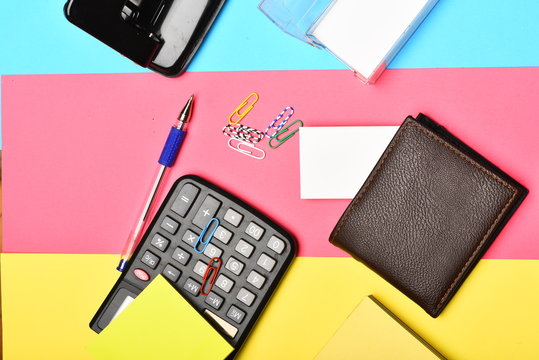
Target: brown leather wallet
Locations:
point(427, 213)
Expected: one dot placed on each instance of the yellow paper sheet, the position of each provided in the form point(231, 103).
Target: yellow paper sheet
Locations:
point(159, 324)
point(370, 332)
point(48, 301)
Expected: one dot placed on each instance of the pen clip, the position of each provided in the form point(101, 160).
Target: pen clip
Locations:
point(210, 274)
point(241, 107)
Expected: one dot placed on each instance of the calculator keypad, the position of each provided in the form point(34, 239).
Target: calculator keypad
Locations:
point(254, 253)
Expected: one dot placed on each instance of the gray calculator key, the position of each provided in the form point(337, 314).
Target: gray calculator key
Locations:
point(233, 217)
point(212, 251)
point(190, 238)
point(223, 235)
point(244, 248)
point(170, 225)
point(207, 210)
point(276, 244)
point(265, 262)
point(171, 273)
point(234, 265)
point(185, 199)
point(224, 283)
point(150, 259)
point(159, 242)
point(254, 230)
point(200, 268)
point(214, 300)
point(256, 279)
point(235, 314)
point(181, 256)
point(192, 286)
point(246, 297)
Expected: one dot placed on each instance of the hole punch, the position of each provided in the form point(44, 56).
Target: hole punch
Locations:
point(201, 241)
point(250, 102)
point(210, 274)
point(246, 148)
point(288, 136)
point(281, 124)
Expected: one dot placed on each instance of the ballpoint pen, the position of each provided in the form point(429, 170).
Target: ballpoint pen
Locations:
point(167, 158)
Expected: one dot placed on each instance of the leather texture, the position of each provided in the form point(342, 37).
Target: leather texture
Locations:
point(427, 213)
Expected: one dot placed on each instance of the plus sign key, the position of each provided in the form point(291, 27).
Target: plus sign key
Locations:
point(207, 211)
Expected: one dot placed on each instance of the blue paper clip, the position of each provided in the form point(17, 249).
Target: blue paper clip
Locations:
point(281, 124)
point(284, 139)
point(200, 240)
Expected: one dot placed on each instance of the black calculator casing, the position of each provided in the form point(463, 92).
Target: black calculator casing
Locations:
point(130, 285)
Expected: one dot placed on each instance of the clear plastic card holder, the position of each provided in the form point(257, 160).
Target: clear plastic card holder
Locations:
point(295, 17)
point(364, 34)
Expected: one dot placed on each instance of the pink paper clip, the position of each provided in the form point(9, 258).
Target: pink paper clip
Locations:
point(246, 148)
point(247, 105)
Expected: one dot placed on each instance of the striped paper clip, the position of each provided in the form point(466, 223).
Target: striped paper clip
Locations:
point(246, 148)
point(247, 105)
point(201, 240)
point(277, 128)
point(244, 133)
point(210, 275)
point(281, 140)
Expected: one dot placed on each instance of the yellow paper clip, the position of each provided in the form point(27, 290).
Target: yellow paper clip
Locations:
point(249, 102)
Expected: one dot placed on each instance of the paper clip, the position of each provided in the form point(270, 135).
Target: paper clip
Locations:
point(247, 149)
point(201, 241)
point(281, 124)
point(241, 107)
point(244, 133)
point(284, 139)
point(210, 274)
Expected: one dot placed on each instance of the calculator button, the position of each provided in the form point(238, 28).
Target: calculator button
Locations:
point(224, 283)
point(222, 234)
point(141, 274)
point(185, 199)
point(192, 286)
point(234, 265)
point(255, 231)
point(225, 325)
point(170, 225)
point(233, 217)
point(235, 314)
point(181, 256)
point(150, 259)
point(265, 262)
point(246, 297)
point(276, 244)
point(214, 300)
point(212, 251)
point(171, 273)
point(190, 238)
point(244, 248)
point(207, 210)
point(256, 279)
point(200, 268)
point(160, 242)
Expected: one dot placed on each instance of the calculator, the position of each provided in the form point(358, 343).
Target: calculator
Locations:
point(223, 256)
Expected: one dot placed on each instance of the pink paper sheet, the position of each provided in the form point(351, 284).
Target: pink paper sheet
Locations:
point(80, 150)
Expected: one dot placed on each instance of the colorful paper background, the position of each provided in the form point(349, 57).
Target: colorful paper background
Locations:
point(82, 126)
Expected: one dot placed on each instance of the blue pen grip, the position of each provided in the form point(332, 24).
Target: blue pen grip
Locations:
point(172, 147)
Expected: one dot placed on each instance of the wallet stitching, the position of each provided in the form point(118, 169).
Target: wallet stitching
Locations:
point(477, 249)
